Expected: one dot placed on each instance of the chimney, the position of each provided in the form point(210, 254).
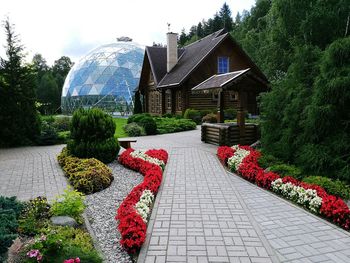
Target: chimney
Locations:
point(171, 50)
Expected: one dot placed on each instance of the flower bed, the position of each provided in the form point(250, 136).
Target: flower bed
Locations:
point(134, 211)
point(243, 160)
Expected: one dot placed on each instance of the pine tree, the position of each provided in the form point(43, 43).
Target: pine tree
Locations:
point(225, 15)
point(138, 105)
point(18, 116)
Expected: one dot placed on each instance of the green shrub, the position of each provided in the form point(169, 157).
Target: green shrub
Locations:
point(194, 115)
point(138, 117)
point(168, 115)
point(35, 216)
point(64, 136)
point(169, 125)
point(149, 124)
point(210, 118)
point(105, 151)
point(71, 203)
point(267, 160)
point(86, 175)
point(92, 133)
point(10, 210)
point(48, 134)
point(57, 244)
point(230, 114)
point(333, 187)
point(133, 129)
point(62, 157)
point(62, 123)
point(287, 170)
point(207, 111)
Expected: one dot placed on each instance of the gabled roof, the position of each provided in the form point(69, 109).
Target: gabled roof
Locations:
point(193, 55)
point(190, 57)
point(158, 59)
point(220, 81)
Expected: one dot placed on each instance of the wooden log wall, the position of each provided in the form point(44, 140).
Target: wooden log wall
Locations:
point(228, 134)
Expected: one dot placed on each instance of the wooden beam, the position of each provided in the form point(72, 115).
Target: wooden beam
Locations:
point(220, 113)
point(242, 105)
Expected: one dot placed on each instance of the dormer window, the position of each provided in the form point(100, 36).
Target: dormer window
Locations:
point(223, 65)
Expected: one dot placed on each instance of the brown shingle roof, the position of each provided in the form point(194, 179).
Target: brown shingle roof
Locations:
point(220, 81)
point(158, 60)
point(191, 58)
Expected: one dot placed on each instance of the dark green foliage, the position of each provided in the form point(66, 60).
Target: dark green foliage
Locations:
point(138, 105)
point(267, 160)
point(10, 210)
point(333, 187)
point(168, 115)
point(18, 116)
point(146, 121)
point(62, 123)
point(230, 114)
point(193, 115)
point(287, 170)
point(138, 117)
point(48, 134)
point(210, 118)
point(149, 124)
point(92, 133)
point(169, 125)
point(134, 130)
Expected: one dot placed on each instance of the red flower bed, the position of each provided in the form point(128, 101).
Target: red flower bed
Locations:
point(131, 225)
point(332, 207)
point(225, 152)
point(159, 154)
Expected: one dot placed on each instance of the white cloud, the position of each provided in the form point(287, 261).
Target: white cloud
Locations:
point(72, 27)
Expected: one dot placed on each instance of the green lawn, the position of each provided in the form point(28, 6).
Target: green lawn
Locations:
point(119, 131)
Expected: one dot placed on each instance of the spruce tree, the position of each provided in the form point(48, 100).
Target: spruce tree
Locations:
point(18, 115)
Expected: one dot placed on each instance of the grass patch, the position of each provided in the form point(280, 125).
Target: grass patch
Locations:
point(119, 131)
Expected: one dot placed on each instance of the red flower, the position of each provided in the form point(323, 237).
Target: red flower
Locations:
point(249, 170)
point(264, 180)
point(290, 179)
point(160, 154)
point(336, 210)
point(224, 153)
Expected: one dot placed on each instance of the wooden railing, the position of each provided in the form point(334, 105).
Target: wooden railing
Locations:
point(228, 134)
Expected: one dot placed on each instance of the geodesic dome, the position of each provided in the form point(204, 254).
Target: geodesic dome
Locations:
point(105, 78)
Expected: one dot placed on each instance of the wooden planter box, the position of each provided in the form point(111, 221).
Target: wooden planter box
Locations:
point(228, 134)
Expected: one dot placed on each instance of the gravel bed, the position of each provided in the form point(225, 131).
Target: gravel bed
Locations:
point(101, 210)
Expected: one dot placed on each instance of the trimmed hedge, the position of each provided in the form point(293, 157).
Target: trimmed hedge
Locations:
point(287, 170)
point(85, 175)
point(169, 125)
point(92, 133)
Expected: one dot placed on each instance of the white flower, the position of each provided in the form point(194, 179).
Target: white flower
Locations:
point(235, 161)
point(143, 206)
point(143, 156)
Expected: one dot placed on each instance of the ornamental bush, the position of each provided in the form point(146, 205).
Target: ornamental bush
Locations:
point(333, 187)
point(92, 133)
point(138, 117)
point(87, 175)
point(134, 130)
point(210, 118)
point(169, 125)
point(149, 124)
point(194, 115)
point(287, 170)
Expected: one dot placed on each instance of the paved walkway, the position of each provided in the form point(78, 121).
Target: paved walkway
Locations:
point(206, 214)
point(203, 213)
point(28, 172)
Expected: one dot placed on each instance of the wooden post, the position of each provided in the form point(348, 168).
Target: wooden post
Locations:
point(242, 104)
point(220, 113)
point(162, 94)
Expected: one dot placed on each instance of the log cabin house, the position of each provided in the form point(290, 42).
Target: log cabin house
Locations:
point(174, 79)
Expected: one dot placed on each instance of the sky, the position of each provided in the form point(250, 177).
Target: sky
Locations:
point(56, 28)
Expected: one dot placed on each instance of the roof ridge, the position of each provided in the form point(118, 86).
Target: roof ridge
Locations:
point(215, 34)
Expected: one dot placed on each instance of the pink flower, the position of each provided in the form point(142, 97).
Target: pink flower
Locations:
point(39, 257)
point(69, 261)
point(77, 260)
point(33, 253)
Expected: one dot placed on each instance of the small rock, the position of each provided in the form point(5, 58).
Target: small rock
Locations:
point(64, 221)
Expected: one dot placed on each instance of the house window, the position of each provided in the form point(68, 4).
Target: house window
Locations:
point(223, 65)
point(179, 100)
point(168, 99)
point(215, 96)
point(233, 95)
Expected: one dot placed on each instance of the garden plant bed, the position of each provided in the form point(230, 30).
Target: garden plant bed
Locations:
point(243, 160)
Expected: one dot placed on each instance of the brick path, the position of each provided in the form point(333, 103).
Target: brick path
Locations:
point(28, 172)
point(206, 214)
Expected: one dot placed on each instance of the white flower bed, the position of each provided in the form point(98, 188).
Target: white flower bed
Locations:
point(143, 206)
point(145, 157)
point(235, 161)
point(298, 194)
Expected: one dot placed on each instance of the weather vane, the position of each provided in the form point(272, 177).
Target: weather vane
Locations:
point(168, 26)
